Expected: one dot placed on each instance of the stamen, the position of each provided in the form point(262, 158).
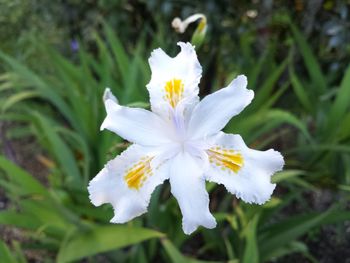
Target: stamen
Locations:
point(173, 91)
point(227, 159)
point(138, 173)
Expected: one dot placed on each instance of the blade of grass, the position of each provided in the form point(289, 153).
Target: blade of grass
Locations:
point(58, 148)
point(15, 174)
point(300, 91)
point(286, 231)
point(251, 252)
point(264, 92)
point(17, 97)
point(341, 103)
point(5, 254)
point(310, 61)
point(40, 85)
point(119, 52)
point(101, 239)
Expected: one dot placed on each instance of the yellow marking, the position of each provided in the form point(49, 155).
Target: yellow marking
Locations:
point(202, 24)
point(138, 173)
point(225, 158)
point(174, 89)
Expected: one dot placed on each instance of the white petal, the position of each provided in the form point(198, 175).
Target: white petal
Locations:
point(188, 186)
point(113, 183)
point(108, 95)
point(252, 181)
point(215, 110)
point(183, 71)
point(135, 125)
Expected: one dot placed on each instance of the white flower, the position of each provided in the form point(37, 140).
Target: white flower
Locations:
point(181, 140)
point(181, 26)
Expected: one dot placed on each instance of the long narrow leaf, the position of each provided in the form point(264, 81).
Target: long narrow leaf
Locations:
point(310, 61)
point(101, 239)
point(341, 103)
point(5, 254)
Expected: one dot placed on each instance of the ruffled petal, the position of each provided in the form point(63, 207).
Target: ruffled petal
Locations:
point(135, 125)
point(188, 186)
point(243, 171)
point(174, 80)
point(127, 183)
point(214, 111)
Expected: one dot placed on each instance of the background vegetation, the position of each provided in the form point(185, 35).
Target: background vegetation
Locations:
point(56, 60)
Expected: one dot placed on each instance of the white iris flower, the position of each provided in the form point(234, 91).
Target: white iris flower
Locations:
point(181, 140)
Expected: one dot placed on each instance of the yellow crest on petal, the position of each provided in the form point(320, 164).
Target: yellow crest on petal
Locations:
point(227, 159)
point(173, 91)
point(138, 173)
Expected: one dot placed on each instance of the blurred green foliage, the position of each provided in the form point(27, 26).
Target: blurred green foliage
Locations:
point(297, 109)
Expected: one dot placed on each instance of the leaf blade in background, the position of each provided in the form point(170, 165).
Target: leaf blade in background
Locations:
point(59, 149)
point(28, 183)
point(263, 92)
point(100, 239)
point(341, 103)
point(5, 254)
point(251, 252)
point(284, 232)
point(300, 91)
point(176, 256)
point(312, 65)
point(39, 84)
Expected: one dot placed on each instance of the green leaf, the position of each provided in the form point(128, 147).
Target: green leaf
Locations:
point(266, 120)
point(28, 183)
point(300, 91)
point(119, 52)
point(176, 256)
point(344, 129)
point(256, 70)
point(45, 212)
point(251, 252)
point(19, 252)
point(9, 102)
point(284, 232)
point(341, 103)
point(59, 149)
point(5, 254)
point(21, 220)
point(282, 116)
point(292, 247)
point(100, 239)
point(31, 79)
point(285, 175)
point(263, 93)
point(310, 61)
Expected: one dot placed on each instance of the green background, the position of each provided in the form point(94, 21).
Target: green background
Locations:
point(58, 56)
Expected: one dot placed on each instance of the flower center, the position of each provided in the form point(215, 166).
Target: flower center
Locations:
point(138, 173)
point(173, 91)
point(226, 159)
